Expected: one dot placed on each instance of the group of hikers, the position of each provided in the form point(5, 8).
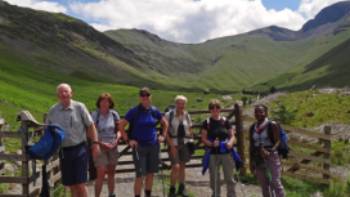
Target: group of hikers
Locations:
point(105, 129)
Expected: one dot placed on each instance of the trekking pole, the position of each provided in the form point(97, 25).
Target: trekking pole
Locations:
point(161, 171)
point(215, 178)
point(137, 156)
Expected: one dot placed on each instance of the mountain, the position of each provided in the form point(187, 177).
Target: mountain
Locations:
point(332, 66)
point(39, 43)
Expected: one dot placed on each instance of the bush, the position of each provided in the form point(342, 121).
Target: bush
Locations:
point(282, 114)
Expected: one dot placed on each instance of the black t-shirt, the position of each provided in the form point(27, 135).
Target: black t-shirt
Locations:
point(217, 129)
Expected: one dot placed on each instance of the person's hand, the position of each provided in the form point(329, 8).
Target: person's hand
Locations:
point(229, 146)
point(133, 143)
point(216, 143)
point(95, 149)
point(264, 153)
point(161, 138)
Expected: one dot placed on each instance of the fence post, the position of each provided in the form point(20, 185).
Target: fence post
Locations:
point(240, 136)
point(25, 163)
point(327, 145)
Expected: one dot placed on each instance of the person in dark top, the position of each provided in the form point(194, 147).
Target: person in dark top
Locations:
point(219, 137)
point(265, 163)
point(142, 138)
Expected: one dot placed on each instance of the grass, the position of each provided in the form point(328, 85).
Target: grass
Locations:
point(313, 108)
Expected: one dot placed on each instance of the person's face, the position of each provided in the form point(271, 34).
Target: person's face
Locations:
point(104, 104)
point(64, 94)
point(145, 99)
point(180, 105)
point(215, 110)
point(260, 113)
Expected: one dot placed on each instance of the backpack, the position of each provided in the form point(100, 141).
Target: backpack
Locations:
point(283, 148)
point(114, 118)
point(48, 144)
point(136, 116)
point(181, 126)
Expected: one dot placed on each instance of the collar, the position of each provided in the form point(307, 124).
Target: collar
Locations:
point(70, 107)
point(142, 108)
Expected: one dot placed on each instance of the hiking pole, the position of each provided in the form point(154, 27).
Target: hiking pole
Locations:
point(215, 178)
point(161, 171)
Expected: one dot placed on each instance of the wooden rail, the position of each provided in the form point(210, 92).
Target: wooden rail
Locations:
point(304, 157)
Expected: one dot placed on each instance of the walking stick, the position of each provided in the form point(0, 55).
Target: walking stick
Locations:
point(161, 171)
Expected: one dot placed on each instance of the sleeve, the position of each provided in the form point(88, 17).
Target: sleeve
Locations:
point(158, 114)
point(94, 116)
point(116, 116)
point(189, 120)
point(87, 119)
point(129, 116)
point(205, 125)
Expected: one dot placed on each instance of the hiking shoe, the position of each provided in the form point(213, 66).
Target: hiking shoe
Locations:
point(172, 192)
point(182, 191)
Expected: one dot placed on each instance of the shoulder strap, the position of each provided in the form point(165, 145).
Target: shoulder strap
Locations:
point(97, 117)
point(208, 123)
point(270, 131)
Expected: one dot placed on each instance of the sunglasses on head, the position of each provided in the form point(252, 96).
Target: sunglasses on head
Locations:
point(144, 95)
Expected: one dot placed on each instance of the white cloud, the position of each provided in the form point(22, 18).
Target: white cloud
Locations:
point(40, 5)
point(186, 20)
point(309, 8)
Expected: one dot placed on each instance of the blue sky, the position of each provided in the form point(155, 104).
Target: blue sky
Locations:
point(186, 21)
point(281, 4)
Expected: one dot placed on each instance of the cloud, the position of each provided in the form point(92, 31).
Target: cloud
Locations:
point(40, 5)
point(309, 8)
point(186, 20)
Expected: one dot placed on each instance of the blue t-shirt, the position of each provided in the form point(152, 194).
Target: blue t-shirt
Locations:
point(144, 122)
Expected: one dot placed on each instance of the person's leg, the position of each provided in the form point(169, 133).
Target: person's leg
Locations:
point(275, 167)
point(174, 178)
point(79, 190)
point(228, 168)
point(111, 178)
point(260, 173)
point(101, 171)
point(152, 166)
point(138, 186)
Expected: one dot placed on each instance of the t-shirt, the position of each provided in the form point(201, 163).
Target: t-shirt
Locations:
point(144, 122)
point(174, 124)
point(217, 129)
point(74, 120)
point(106, 125)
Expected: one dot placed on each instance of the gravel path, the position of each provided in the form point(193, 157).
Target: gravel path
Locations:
point(197, 185)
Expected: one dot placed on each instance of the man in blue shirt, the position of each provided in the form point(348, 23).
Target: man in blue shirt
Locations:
point(142, 138)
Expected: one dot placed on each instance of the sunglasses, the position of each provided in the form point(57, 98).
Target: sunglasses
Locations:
point(145, 95)
point(214, 107)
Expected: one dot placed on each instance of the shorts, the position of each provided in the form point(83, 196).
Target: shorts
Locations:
point(146, 159)
point(105, 158)
point(74, 164)
point(182, 155)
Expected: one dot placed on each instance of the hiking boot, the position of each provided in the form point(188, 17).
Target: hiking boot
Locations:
point(172, 192)
point(182, 191)
point(111, 195)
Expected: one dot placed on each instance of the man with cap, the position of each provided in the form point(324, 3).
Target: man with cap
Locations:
point(142, 138)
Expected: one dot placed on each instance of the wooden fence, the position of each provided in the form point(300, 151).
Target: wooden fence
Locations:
point(309, 157)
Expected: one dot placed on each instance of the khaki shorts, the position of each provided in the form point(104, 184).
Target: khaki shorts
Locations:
point(182, 155)
point(109, 157)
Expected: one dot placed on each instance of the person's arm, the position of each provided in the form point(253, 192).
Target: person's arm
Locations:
point(204, 138)
point(122, 124)
point(232, 139)
point(92, 135)
point(164, 124)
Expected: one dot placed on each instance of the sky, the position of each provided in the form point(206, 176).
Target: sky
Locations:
point(185, 21)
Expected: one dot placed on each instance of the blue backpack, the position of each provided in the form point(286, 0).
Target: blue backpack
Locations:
point(48, 144)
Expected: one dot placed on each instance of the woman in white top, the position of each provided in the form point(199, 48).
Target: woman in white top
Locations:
point(106, 122)
point(178, 138)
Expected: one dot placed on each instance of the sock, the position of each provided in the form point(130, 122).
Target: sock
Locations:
point(148, 193)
